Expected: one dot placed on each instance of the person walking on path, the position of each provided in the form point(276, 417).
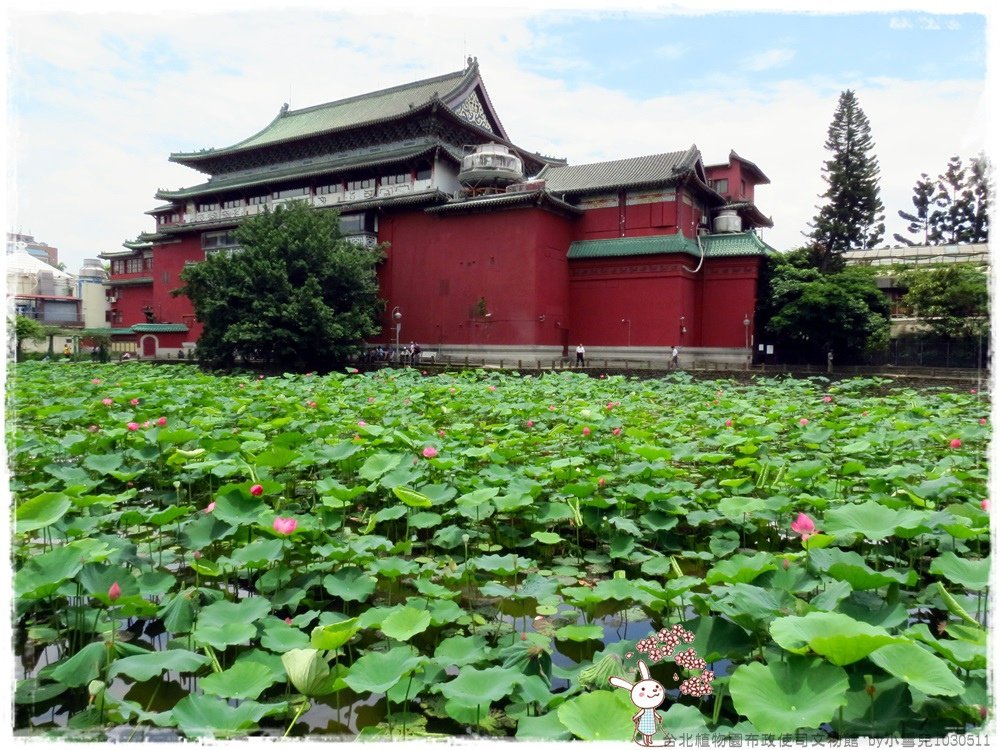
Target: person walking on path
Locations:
point(580, 351)
point(674, 357)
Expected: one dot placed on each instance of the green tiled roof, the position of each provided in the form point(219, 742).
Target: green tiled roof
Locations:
point(739, 243)
point(641, 170)
point(623, 246)
point(159, 328)
point(503, 200)
point(356, 110)
point(389, 154)
point(715, 246)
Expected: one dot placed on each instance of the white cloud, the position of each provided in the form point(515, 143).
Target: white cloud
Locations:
point(90, 145)
point(896, 22)
point(771, 58)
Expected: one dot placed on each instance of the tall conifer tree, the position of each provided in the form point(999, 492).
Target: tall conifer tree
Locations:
point(920, 220)
point(852, 218)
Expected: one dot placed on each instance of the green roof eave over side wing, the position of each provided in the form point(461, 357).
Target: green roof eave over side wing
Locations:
point(619, 247)
point(735, 244)
point(159, 328)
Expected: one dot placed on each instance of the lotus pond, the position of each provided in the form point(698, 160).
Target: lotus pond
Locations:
point(393, 555)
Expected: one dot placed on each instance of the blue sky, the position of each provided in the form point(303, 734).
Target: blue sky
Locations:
point(98, 98)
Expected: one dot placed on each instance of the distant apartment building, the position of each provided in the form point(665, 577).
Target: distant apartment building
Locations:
point(34, 248)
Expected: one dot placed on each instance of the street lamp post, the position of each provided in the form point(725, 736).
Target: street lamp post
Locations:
point(746, 338)
point(397, 316)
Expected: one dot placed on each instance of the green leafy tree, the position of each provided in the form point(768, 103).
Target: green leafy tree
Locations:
point(954, 209)
point(27, 329)
point(851, 218)
point(953, 300)
point(808, 313)
point(920, 219)
point(296, 294)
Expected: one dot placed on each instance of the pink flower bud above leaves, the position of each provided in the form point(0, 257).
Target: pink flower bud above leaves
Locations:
point(616, 431)
point(133, 426)
point(956, 443)
point(429, 451)
point(134, 402)
point(804, 526)
point(803, 421)
point(586, 431)
point(985, 505)
point(114, 592)
point(529, 424)
point(257, 490)
point(161, 421)
point(210, 507)
point(107, 401)
point(729, 423)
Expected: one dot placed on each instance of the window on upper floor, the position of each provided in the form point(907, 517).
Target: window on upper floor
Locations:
point(208, 206)
point(720, 186)
point(234, 203)
point(743, 187)
point(423, 172)
point(356, 223)
point(215, 241)
point(135, 265)
point(258, 200)
point(368, 182)
point(294, 192)
point(329, 189)
point(396, 179)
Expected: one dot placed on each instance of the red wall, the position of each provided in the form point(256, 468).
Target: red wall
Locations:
point(651, 292)
point(439, 266)
point(729, 296)
point(168, 262)
point(131, 301)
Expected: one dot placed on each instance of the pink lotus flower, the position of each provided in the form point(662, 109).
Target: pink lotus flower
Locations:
point(985, 505)
point(243, 385)
point(257, 490)
point(586, 431)
point(729, 423)
point(114, 592)
point(134, 402)
point(982, 420)
point(93, 428)
point(827, 399)
point(196, 554)
point(288, 621)
point(804, 526)
point(133, 426)
point(864, 414)
point(96, 381)
point(492, 388)
point(451, 390)
point(529, 424)
point(260, 377)
point(107, 401)
point(616, 431)
point(371, 399)
point(361, 423)
point(430, 451)
point(441, 433)
point(210, 507)
point(956, 443)
point(551, 408)
point(611, 405)
point(803, 421)
point(972, 390)
point(161, 421)
point(786, 564)
point(146, 423)
point(601, 482)
point(285, 525)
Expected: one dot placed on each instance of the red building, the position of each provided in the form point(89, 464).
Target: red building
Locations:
point(490, 247)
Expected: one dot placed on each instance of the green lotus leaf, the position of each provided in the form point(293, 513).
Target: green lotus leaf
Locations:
point(350, 584)
point(681, 721)
point(40, 511)
point(406, 623)
point(546, 537)
point(177, 613)
point(741, 568)
point(259, 553)
point(279, 636)
point(716, 638)
point(43, 574)
point(308, 671)
point(208, 716)
point(224, 623)
point(502, 565)
point(481, 686)
point(837, 637)
point(602, 715)
point(783, 697)
point(579, 633)
point(460, 650)
point(969, 574)
point(85, 665)
point(918, 668)
point(332, 636)
point(378, 464)
point(412, 498)
point(377, 672)
point(871, 519)
point(144, 667)
point(241, 681)
point(434, 590)
point(31, 691)
point(546, 728)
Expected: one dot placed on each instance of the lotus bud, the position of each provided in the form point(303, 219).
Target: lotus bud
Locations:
point(114, 592)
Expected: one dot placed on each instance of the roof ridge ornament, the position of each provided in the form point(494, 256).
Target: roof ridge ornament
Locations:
point(284, 110)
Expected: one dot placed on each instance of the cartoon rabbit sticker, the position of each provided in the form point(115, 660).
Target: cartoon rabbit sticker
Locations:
point(647, 694)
